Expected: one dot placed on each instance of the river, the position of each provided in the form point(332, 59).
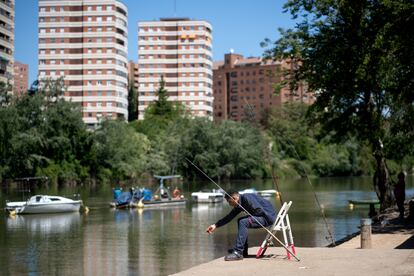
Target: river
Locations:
point(161, 242)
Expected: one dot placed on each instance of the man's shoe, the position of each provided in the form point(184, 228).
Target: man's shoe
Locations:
point(245, 252)
point(235, 256)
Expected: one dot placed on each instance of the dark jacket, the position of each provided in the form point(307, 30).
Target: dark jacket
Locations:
point(255, 205)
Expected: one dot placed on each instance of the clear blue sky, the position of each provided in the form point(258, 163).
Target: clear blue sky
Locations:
point(237, 24)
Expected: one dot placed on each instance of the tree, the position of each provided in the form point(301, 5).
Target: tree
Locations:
point(122, 153)
point(161, 106)
point(132, 103)
point(357, 56)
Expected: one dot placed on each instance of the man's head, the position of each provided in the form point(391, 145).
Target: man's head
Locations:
point(232, 197)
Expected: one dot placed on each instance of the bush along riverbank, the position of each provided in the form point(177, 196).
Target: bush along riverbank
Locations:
point(45, 136)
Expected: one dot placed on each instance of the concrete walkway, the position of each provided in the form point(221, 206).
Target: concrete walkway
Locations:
point(314, 261)
point(392, 253)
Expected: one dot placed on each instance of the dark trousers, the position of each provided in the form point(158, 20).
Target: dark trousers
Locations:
point(400, 205)
point(245, 223)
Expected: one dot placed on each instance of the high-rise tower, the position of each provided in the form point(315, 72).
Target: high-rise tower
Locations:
point(180, 50)
point(6, 40)
point(85, 41)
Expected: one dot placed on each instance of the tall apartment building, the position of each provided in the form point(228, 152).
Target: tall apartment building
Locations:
point(21, 78)
point(180, 50)
point(6, 40)
point(133, 74)
point(85, 41)
point(245, 87)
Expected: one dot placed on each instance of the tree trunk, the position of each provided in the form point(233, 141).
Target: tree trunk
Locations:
point(382, 183)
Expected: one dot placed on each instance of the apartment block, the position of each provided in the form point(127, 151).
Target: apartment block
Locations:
point(86, 42)
point(180, 50)
point(21, 78)
point(6, 40)
point(245, 87)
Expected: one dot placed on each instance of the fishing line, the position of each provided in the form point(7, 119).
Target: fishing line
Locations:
point(247, 212)
point(314, 194)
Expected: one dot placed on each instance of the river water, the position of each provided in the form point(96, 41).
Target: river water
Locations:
point(165, 241)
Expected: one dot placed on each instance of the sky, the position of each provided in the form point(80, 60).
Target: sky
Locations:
point(237, 24)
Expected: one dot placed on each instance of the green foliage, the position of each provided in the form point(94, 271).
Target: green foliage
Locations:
point(357, 56)
point(132, 103)
point(41, 134)
point(121, 150)
point(226, 150)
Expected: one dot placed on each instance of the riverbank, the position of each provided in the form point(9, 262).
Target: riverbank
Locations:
point(389, 236)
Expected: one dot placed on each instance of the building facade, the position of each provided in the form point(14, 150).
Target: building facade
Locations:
point(245, 87)
point(180, 50)
point(133, 74)
point(86, 42)
point(6, 40)
point(21, 78)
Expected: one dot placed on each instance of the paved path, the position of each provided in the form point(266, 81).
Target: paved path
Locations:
point(314, 261)
point(392, 253)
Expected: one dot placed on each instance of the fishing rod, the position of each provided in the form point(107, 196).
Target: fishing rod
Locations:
point(247, 212)
point(316, 197)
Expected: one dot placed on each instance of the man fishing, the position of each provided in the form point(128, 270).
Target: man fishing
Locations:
point(259, 210)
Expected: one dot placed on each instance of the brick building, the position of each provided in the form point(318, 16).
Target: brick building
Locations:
point(245, 87)
point(21, 78)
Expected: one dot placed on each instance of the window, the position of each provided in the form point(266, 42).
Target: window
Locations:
point(89, 8)
point(99, 19)
point(109, 18)
point(99, 8)
point(89, 18)
point(62, 30)
point(42, 31)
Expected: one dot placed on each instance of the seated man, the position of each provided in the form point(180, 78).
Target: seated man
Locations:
point(260, 209)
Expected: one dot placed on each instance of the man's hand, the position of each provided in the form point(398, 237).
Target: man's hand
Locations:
point(211, 228)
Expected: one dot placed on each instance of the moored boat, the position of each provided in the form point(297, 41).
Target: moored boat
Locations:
point(268, 193)
point(43, 204)
point(144, 198)
point(248, 191)
point(364, 202)
point(208, 196)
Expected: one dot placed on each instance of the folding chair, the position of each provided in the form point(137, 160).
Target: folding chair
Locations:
point(282, 223)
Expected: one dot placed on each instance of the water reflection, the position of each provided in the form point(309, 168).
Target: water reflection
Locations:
point(161, 242)
point(44, 223)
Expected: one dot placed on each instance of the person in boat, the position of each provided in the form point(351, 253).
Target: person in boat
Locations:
point(261, 210)
point(176, 193)
point(399, 193)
